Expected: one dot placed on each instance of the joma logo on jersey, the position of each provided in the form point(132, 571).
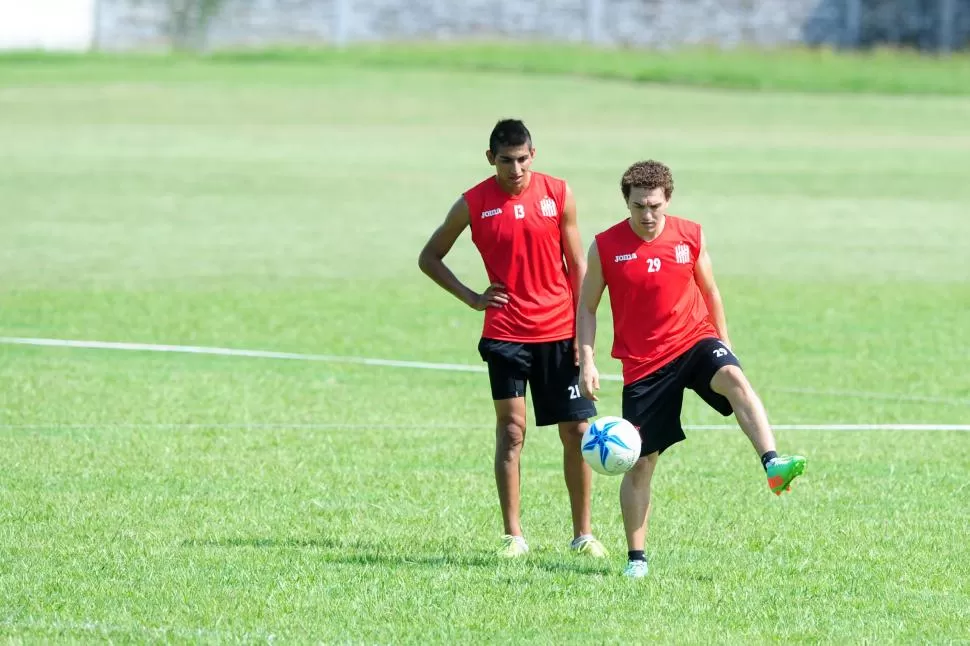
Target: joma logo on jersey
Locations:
point(548, 207)
point(682, 254)
point(625, 257)
point(488, 214)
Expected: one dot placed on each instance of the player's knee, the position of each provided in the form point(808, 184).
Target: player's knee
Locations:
point(643, 469)
point(571, 433)
point(648, 462)
point(730, 382)
point(510, 431)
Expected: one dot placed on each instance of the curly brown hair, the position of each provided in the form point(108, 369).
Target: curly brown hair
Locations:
point(649, 175)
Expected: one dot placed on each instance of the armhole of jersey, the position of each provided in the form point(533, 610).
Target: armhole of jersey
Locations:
point(561, 197)
point(598, 240)
point(468, 205)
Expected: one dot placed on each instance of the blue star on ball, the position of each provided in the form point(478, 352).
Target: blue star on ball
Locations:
point(600, 438)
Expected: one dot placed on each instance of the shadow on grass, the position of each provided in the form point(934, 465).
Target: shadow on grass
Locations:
point(353, 552)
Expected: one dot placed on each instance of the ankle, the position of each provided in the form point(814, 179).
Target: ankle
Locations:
point(768, 457)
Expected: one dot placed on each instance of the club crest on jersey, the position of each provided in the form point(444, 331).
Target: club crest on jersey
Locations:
point(548, 207)
point(625, 257)
point(682, 254)
point(493, 212)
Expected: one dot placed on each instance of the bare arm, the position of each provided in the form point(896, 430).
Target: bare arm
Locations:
point(572, 245)
point(431, 261)
point(589, 300)
point(704, 276)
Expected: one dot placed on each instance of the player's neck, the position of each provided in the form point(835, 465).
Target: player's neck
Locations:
point(648, 235)
point(516, 189)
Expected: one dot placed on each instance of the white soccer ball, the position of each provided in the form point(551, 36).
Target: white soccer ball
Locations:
point(611, 445)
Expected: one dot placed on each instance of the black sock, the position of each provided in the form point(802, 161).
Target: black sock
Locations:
point(636, 555)
point(768, 457)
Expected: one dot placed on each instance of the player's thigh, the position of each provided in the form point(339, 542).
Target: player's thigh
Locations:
point(705, 359)
point(554, 382)
point(508, 364)
point(653, 405)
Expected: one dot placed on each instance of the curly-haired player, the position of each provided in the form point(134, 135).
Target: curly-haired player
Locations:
point(670, 334)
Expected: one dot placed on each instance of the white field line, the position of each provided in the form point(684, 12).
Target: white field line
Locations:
point(420, 365)
point(231, 352)
point(337, 426)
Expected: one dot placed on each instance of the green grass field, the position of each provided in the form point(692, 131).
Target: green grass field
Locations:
point(280, 206)
point(885, 71)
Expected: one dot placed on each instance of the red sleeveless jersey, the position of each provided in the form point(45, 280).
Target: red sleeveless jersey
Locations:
point(519, 239)
point(658, 309)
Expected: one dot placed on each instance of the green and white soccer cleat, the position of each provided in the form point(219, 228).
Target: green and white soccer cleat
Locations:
point(513, 547)
point(782, 470)
point(588, 546)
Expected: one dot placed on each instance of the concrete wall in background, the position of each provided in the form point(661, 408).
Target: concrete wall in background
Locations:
point(927, 24)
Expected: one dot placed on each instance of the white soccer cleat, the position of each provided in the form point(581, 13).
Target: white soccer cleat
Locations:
point(635, 569)
point(513, 547)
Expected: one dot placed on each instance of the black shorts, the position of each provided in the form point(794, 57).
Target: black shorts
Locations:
point(550, 370)
point(653, 403)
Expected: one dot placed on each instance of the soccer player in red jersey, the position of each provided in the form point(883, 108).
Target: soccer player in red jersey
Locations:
point(670, 334)
point(524, 226)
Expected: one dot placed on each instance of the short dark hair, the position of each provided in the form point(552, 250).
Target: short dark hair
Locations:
point(509, 133)
point(649, 175)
